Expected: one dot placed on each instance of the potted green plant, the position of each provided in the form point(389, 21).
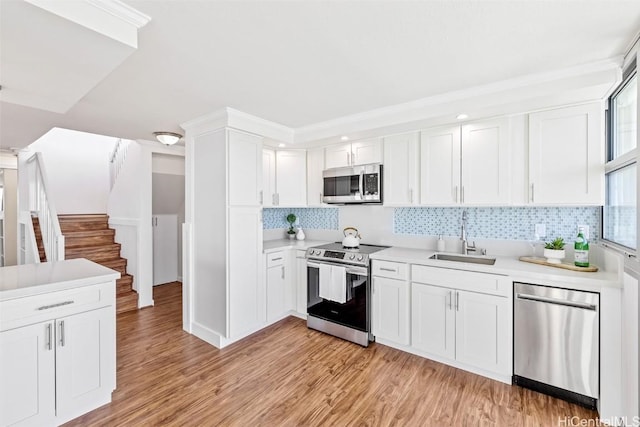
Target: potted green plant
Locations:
point(554, 250)
point(291, 219)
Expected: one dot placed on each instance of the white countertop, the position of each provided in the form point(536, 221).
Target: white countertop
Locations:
point(32, 279)
point(269, 246)
point(517, 270)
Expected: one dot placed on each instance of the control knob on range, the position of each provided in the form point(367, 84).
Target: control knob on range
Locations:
point(360, 257)
point(352, 256)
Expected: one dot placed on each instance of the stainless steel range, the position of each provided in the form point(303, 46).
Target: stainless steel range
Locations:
point(339, 291)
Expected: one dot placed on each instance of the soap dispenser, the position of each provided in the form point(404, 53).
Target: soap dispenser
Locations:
point(440, 244)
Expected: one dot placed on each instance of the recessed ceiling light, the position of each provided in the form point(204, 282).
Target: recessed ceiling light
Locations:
point(167, 138)
point(344, 138)
point(282, 144)
point(462, 116)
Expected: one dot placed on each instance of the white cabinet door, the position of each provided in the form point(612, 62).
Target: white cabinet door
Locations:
point(337, 156)
point(440, 166)
point(368, 151)
point(301, 283)
point(165, 249)
point(483, 335)
point(291, 178)
point(245, 288)
point(566, 156)
point(27, 376)
point(401, 162)
point(244, 169)
point(315, 183)
point(390, 309)
point(276, 293)
point(485, 163)
point(85, 360)
point(433, 320)
point(268, 178)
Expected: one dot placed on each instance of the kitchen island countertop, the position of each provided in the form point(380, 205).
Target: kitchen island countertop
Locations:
point(33, 279)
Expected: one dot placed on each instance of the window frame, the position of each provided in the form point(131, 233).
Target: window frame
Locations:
point(622, 161)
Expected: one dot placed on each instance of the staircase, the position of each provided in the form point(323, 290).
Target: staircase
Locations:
point(89, 236)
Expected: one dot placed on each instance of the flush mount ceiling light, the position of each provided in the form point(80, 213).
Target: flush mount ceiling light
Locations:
point(462, 116)
point(344, 138)
point(282, 144)
point(167, 138)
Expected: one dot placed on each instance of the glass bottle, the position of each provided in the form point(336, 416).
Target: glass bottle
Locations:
point(581, 250)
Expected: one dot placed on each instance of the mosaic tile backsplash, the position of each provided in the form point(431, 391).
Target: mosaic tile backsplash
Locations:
point(312, 218)
point(509, 223)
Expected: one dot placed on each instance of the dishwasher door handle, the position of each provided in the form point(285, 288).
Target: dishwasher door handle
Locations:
point(556, 301)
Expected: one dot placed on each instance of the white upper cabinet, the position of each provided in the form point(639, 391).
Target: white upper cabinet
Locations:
point(355, 153)
point(291, 178)
point(566, 156)
point(284, 178)
point(465, 164)
point(400, 173)
point(245, 169)
point(268, 177)
point(315, 184)
point(485, 163)
point(440, 166)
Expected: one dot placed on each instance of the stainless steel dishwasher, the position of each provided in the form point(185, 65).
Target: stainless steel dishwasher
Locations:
point(556, 342)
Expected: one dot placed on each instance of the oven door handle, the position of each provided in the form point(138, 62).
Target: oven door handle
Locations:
point(358, 271)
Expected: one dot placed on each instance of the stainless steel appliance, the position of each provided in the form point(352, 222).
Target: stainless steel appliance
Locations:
point(556, 342)
point(356, 184)
point(346, 315)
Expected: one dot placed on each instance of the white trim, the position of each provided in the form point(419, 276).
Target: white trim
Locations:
point(122, 11)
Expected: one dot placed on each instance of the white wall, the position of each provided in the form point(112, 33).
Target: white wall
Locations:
point(77, 165)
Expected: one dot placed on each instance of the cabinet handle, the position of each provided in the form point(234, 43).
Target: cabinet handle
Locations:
point(411, 195)
point(393, 270)
point(450, 298)
point(457, 301)
point(278, 199)
point(348, 158)
point(320, 197)
point(462, 194)
point(282, 271)
point(273, 199)
point(62, 333)
point(261, 197)
point(456, 193)
point(58, 304)
point(276, 259)
point(353, 159)
point(532, 199)
point(49, 337)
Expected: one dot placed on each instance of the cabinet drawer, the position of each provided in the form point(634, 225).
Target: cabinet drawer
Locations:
point(392, 270)
point(37, 308)
point(275, 258)
point(465, 280)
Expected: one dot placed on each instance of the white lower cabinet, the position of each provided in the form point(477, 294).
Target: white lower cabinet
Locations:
point(390, 309)
point(56, 370)
point(277, 295)
point(470, 328)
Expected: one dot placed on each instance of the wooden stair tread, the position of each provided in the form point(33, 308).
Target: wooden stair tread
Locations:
point(95, 249)
point(82, 217)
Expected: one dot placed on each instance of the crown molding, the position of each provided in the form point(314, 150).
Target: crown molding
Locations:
point(232, 118)
point(122, 11)
point(504, 97)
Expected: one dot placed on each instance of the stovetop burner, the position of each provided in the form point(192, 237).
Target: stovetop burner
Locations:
point(335, 252)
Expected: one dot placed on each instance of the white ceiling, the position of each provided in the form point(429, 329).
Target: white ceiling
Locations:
point(301, 63)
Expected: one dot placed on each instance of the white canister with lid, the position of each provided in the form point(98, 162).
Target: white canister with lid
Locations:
point(300, 234)
point(440, 244)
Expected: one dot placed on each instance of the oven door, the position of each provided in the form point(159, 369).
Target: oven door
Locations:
point(354, 313)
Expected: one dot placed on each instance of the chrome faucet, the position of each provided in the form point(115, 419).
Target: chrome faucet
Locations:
point(463, 233)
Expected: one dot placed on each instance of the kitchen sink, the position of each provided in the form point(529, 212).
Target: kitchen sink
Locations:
point(464, 258)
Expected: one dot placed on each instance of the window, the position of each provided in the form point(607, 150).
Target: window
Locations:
point(620, 218)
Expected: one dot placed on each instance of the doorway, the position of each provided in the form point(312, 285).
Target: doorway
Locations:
point(168, 193)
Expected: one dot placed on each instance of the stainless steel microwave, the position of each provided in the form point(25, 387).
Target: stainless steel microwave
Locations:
point(354, 184)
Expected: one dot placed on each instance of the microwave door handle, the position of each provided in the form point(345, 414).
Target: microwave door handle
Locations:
point(362, 184)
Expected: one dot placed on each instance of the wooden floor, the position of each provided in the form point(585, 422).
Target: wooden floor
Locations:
point(288, 375)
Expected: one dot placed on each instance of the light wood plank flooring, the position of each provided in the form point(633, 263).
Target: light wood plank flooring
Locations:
point(288, 375)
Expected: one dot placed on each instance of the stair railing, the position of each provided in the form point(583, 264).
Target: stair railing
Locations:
point(116, 160)
point(42, 203)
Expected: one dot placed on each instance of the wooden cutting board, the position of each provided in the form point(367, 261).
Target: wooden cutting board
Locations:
point(566, 266)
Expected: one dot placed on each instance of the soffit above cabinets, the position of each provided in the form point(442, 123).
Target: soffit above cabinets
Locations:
point(54, 53)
